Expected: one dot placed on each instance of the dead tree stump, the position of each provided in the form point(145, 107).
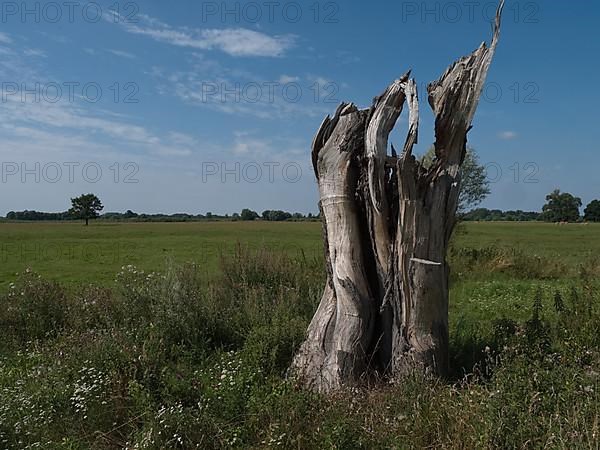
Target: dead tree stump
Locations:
point(387, 222)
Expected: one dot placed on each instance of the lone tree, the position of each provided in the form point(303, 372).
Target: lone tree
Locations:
point(387, 221)
point(86, 207)
point(561, 207)
point(592, 211)
point(474, 184)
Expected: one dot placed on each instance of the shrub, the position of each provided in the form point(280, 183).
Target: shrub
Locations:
point(513, 262)
point(32, 309)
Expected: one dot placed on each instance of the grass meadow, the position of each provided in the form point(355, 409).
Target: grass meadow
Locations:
point(179, 335)
point(73, 254)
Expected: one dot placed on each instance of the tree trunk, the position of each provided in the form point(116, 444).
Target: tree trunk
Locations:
point(387, 222)
point(87, 220)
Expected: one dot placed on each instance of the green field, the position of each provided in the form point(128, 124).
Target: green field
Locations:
point(70, 252)
point(98, 352)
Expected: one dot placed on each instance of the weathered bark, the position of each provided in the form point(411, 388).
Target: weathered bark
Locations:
point(387, 222)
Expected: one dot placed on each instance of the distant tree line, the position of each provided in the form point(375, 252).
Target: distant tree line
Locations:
point(245, 215)
point(282, 216)
point(559, 207)
point(497, 215)
point(38, 216)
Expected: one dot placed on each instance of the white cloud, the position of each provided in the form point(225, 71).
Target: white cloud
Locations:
point(243, 42)
point(38, 132)
point(70, 126)
point(285, 79)
point(163, 150)
point(35, 52)
point(233, 41)
point(66, 117)
point(183, 139)
point(5, 38)
point(122, 54)
point(56, 38)
point(345, 57)
point(209, 84)
point(321, 81)
point(508, 135)
point(247, 145)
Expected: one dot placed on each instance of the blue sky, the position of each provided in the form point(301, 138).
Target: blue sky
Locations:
point(191, 106)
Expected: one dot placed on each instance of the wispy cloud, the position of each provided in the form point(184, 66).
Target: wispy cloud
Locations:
point(243, 42)
point(35, 52)
point(121, 53)
point(5, 38)
point(247, 145)
point(285, 79)
point(209, 84)
point(233, 41)
point(346, 57)
point(100, 139)
point(508, 135)
point(55, 37)
point(47, 128)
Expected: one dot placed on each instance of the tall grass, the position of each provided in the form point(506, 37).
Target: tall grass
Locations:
point(169, 360)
